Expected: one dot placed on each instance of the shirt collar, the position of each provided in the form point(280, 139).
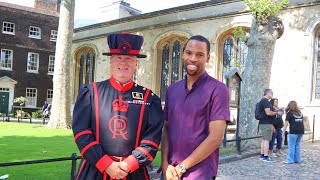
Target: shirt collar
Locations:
point(122, 88)
point(203, 76)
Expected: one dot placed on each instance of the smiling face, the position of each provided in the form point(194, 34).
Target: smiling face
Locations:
point(195, 57)
point(123, 67)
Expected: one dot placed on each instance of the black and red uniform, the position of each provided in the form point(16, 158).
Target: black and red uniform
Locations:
point(116, 123)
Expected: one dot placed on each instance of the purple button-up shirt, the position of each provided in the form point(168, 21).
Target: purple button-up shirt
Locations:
point(188, 114)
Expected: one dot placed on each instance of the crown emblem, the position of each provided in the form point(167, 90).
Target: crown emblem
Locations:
point(120, 105)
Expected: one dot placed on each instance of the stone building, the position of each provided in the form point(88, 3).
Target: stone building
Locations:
point(296, 64)
point(27, 42)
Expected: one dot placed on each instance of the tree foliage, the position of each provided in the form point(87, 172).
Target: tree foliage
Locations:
point(21, 100)
point(265, 8)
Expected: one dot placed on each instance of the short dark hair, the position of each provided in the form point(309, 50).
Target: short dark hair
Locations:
point(273, 100)
point(265, 92)
point(202, 39)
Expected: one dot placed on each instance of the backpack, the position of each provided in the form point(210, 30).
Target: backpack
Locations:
point(257, 113)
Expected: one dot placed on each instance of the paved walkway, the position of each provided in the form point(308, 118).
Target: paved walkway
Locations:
point(253, 168)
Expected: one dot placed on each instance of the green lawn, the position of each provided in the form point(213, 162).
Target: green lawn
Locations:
point(23, 142)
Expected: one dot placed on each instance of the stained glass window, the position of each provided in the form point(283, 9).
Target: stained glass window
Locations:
point(81, 71)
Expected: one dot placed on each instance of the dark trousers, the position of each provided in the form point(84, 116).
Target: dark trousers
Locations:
point(276, 135)
point(286, 138)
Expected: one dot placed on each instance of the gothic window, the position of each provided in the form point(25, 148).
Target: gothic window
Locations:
point(169, 55)
point(84, 69)
point(234, 53)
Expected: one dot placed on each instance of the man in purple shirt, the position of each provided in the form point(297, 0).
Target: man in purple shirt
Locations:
point(196, 112)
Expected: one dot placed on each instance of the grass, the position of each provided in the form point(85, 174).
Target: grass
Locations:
point(23, 142)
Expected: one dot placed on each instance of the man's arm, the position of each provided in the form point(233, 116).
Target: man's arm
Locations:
point(164, 147)
point(208, 146)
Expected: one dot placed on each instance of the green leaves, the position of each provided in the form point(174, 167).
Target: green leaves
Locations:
point(265, 8)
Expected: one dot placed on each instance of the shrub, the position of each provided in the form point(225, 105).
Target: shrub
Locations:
point(37, 114)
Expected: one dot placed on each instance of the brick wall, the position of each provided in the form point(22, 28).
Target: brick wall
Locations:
point(21, 44)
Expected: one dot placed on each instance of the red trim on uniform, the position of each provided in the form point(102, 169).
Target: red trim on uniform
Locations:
point(103, 163)
point(129, 52)
point(104, 175)
point(145, 173)
point(96, 104)
point(118, 86)
point(141, 116)
point(82, 133)
point(88, 146)
point(80, 170)
point(145, 152)
point(132, 162)
point(150, 142)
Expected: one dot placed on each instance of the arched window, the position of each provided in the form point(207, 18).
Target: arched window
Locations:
point(317, 65)
point(233, 53)
point(170, 52)
point(84, 69)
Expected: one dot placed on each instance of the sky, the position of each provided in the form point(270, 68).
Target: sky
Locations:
point(85, 11)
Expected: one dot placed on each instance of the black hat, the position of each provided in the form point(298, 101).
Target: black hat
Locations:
point(125, 44)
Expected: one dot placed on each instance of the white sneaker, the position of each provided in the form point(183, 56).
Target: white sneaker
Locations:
point(274, 155)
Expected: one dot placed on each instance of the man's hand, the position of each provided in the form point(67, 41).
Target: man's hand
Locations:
point(171, 173)
point(115, 170)
point(124, 166)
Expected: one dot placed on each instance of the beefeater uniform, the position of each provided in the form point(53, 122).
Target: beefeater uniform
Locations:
point(112, 122)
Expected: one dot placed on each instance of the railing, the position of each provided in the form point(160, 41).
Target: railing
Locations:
point(7, 119)
point(73, 158)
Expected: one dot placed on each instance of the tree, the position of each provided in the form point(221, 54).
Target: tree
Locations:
point(61, 101)
point(21, 101)
point(266, 28)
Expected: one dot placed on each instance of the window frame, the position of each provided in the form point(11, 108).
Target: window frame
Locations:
point(50, 65)
point(54, 35)
point(221, 40)
point(93, 64)
point(49, 100)
point(160, 45)
point(315, 65)
point(35, 98)
point(4, 68)
point(33, 31)
point(6, 32)
point(33, 71)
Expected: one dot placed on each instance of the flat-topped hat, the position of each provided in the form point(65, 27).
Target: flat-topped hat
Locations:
point(125, 44)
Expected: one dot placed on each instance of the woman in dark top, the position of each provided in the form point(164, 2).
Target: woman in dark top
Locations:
point(278, 124)
point(296, 130)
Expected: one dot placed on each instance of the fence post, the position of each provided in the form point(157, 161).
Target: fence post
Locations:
point(30, 119)
point(314, 122)
point(18, 119)
point(238, 143)
point(73, 165)
point(225, 136)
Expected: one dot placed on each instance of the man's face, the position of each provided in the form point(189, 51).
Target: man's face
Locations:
point(195, 57)
point(270, 94)
point(123, 67)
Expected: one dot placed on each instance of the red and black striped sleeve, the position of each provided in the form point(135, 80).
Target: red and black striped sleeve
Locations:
point(84, 136)
point(145, 153)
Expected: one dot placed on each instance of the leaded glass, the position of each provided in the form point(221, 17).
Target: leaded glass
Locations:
point(93, 67)
point(242, 51)
point(81, 70)
point(175, 62)
point(88, 67)
point(165, 71)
